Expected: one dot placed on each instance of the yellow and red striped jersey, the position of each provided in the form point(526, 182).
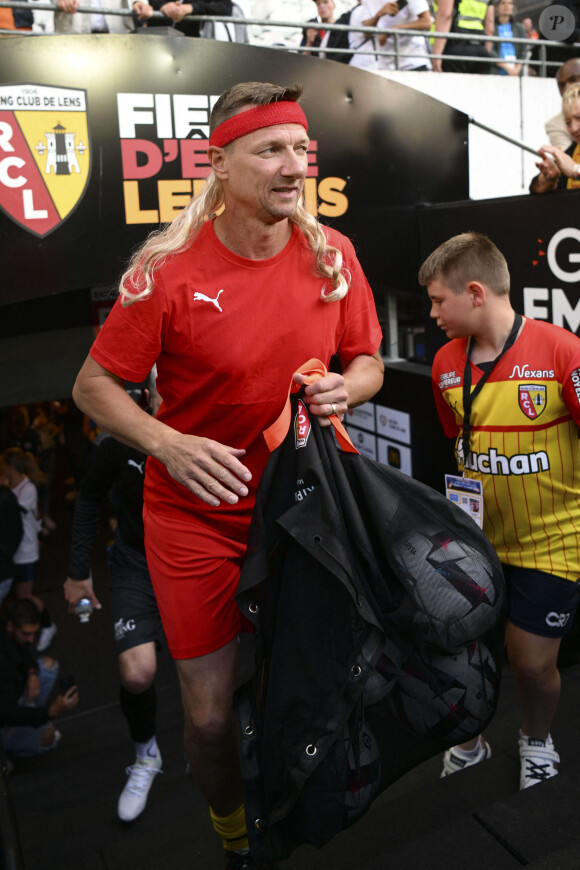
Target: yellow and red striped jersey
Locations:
point(524, 444)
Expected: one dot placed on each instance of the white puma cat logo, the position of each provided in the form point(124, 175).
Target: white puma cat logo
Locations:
point(138, 465)
point(201, 297)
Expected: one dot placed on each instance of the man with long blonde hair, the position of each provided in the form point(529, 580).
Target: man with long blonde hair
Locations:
point(229, 308)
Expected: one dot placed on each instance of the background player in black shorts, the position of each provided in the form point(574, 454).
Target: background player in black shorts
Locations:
point(116, 471)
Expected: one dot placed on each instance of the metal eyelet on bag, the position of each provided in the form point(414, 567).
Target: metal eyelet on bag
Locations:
point(249, 729)
point(253, 607)
point(311, 750)
point(317, 539)
point(258, 824)
point(356, 671)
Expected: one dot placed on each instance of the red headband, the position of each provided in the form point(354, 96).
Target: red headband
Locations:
point(284, 112)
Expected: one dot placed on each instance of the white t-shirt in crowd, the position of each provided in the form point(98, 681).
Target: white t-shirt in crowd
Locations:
point(408, 45)
point(362, 40)
point(28, 549)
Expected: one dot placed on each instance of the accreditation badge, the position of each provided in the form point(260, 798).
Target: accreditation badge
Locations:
point(466, 493)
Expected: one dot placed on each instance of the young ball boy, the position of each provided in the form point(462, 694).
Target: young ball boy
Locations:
point(508, 389)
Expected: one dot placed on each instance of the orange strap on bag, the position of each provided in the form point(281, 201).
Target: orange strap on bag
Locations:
point(313, 370)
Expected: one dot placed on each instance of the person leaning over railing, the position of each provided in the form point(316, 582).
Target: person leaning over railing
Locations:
point(510, 55)
point(367, 14)
point(412, 50)
point(560, 170)
point(313, 37)
point(15, 19)
point(68, 20)
point(175, 13)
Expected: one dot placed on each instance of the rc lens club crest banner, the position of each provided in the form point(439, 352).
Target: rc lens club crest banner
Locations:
point(145, 127)
point(44, 154)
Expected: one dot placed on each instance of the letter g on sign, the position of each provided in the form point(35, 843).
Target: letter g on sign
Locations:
point(573, 257)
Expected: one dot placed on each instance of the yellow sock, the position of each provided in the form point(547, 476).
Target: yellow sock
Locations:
point(231, 829)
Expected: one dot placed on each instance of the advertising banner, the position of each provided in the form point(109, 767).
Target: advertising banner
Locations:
point(540, 239)
point(103, 138)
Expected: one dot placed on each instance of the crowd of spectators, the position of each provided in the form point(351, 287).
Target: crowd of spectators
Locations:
point(67, 18)
point(30, 437)
point(462, 18)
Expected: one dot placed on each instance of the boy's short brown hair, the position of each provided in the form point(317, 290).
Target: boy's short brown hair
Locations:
point(464, 258)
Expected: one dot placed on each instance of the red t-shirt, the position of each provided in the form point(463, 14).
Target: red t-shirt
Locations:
point(227, 334)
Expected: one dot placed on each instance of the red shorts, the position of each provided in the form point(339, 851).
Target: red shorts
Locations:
point(195, 574)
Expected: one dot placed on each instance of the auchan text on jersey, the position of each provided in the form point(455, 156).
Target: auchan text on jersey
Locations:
point(520, 463)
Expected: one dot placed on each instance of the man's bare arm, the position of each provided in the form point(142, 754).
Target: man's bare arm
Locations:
point(364, 377)
point(211, 471)
point(443, 20)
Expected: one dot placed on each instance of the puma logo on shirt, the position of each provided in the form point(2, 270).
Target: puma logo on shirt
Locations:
point(201, 297)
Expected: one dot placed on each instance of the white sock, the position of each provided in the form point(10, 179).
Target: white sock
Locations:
point(469, 753)
point(146, 750)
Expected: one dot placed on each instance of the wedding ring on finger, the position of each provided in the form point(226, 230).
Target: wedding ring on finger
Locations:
point(334, 411)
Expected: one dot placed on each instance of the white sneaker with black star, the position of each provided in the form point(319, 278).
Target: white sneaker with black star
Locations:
point(539, 760)
point(134, 796)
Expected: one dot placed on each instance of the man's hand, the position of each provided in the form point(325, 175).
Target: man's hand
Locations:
point(389, 9)
point(32, 688)
point(326, 396)
point(311, 35)
point(64, 703)
point(142, 10)
point(177, 11)
point(70, 6)
point(560, 162)
point(74, 590)
point(210, 470)
point(546, 165)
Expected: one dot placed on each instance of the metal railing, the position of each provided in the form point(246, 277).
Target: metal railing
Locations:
point(542, 63)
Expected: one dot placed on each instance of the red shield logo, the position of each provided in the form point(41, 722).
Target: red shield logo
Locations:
point(532, 399)
point(301, 425)
point(44, 154)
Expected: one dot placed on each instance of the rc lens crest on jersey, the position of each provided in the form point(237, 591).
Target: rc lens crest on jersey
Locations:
point(301, 425)
point(532, 399)
point(44, 154)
